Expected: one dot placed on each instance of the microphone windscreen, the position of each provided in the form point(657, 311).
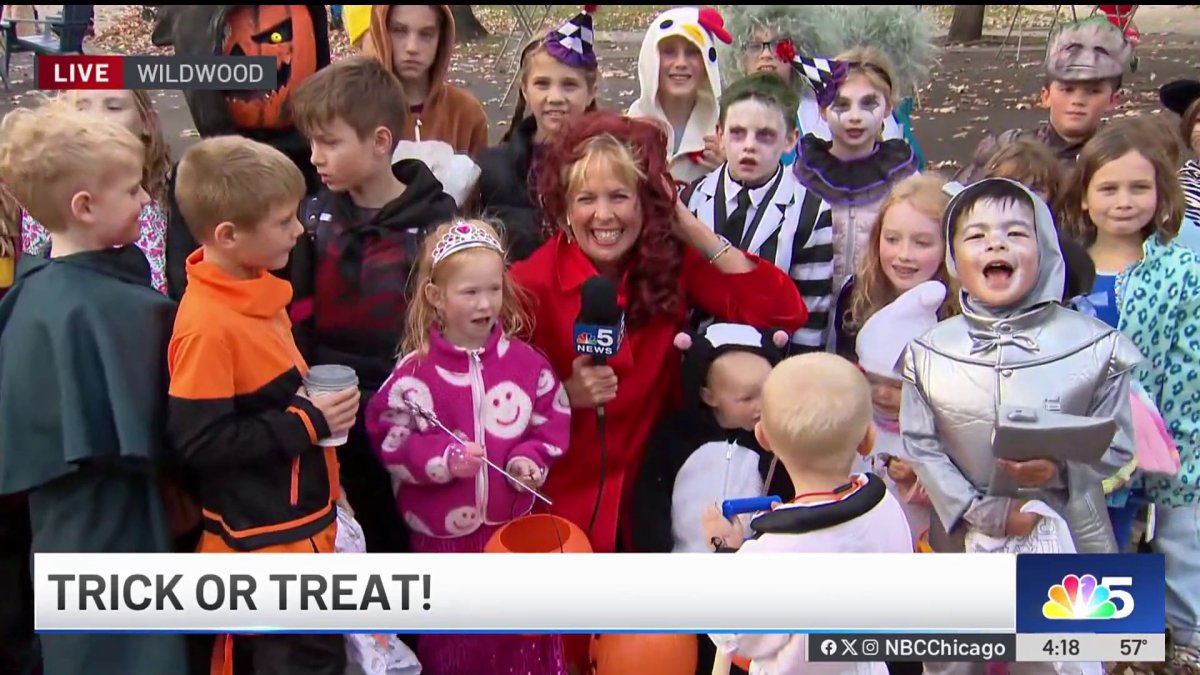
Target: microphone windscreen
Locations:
point(598, 302)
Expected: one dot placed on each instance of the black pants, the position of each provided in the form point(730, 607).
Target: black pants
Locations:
point(321, 654)
point(368, 488)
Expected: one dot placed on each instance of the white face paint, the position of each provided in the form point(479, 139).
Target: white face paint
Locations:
point(857, 115)
point(996, 252)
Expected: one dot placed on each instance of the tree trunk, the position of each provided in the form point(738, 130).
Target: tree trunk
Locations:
point(466, 26)
point(967, 23)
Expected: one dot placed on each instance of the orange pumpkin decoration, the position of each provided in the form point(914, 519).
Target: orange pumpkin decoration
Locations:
point(285, 32)
point(539, 533)
point(643, 654)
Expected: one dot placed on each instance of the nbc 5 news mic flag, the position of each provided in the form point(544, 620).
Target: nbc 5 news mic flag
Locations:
point(595, 593)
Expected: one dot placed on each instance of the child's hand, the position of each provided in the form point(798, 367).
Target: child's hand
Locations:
point(917, 496)
point(900, 472)
point(464, 460)
point(1033, 473)
point(714, 154)
point(526, 472)
point(339, 408)
point(716, 526)
point(1019, 523)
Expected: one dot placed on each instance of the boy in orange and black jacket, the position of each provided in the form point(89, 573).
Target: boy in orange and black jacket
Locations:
point(238, 415)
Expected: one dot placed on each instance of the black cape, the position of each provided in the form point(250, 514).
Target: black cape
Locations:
point(83, 391)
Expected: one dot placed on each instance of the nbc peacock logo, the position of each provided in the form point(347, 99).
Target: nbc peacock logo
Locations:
point(1082, 597)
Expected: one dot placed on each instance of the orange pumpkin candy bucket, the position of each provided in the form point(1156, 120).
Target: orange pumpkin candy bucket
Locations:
point(539, 533)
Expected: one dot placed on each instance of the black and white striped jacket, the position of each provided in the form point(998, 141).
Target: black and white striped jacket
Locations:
point(796, 233)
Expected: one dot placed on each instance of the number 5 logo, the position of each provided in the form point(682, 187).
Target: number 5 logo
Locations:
point(1123, 599)
point(604, 337)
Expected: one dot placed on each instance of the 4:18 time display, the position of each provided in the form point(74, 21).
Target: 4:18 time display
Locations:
point(1063, 647)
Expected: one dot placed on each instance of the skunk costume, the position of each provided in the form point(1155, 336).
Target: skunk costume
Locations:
point(692, 461)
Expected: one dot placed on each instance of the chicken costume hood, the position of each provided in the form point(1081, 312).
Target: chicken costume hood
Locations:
point(703, 28)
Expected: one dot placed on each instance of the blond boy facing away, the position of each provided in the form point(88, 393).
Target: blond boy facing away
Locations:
point(817, 431)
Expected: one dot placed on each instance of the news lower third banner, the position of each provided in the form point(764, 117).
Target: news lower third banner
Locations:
point(584, 593)
point(988, 647)
point(115, 71)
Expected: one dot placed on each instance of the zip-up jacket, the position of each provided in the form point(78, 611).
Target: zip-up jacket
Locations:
point(243, 432)
point(503, 396)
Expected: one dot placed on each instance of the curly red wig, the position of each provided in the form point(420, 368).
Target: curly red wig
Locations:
point(657, 260)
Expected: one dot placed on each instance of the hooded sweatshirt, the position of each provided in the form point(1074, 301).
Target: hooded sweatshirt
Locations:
point(449, 113)
point(353, 270)
point(684, 154)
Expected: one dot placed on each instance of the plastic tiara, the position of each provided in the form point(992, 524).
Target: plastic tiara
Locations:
point(463, 236)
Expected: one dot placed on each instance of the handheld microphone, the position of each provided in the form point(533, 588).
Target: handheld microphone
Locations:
point(599, 331)
point(600, 326)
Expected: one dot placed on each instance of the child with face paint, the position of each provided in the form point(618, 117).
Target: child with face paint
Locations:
point(757, 204)
point(855, 170)
point(759, 31)
point(558, 83)
point(1125, 205)
point(681, 85)
point(1020, 347)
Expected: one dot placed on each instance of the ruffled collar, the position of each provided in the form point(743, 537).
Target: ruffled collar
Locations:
point(858, 180)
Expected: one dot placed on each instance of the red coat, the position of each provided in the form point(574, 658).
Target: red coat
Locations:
point(647, 367)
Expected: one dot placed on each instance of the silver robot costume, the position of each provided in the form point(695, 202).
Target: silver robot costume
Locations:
point(1035, 354)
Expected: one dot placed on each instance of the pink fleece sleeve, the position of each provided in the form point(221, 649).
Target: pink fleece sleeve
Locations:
point(410, 449)
point(550, 424)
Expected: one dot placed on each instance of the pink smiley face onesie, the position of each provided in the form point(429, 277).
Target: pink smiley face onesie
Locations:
point(504, 397)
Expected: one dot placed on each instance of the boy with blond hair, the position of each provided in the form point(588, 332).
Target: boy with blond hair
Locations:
point(238, 413)
point(817, 431)
point(82, 378)
point(352, 269)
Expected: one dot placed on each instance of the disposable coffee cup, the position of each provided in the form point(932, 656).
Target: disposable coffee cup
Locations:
point(330, 379)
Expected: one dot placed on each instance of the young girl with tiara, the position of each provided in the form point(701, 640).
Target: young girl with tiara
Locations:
point(558, 83)
point(855, 170)
point(462, 362)
point(1125, 204)
point(133, 109)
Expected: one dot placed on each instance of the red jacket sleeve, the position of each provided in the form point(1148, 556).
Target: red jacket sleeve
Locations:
point(763, 297)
